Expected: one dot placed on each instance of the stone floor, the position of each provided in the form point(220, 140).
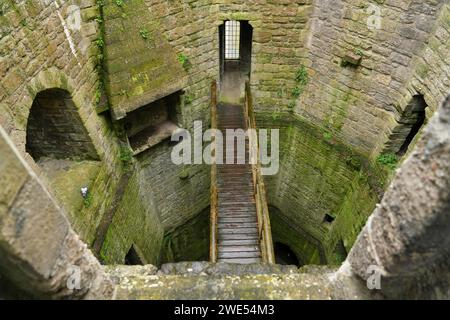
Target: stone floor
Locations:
point(232, 88)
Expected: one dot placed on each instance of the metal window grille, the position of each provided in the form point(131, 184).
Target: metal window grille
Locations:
point(232, 39)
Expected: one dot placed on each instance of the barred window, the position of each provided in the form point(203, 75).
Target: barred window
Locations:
point(232, 37)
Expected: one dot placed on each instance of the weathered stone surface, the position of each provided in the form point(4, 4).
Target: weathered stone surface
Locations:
point(407, 235)
point(38, 249)
point(133, 285)
point(208, 268)
point(40, 49)
point(318, 175)
point(141, 65)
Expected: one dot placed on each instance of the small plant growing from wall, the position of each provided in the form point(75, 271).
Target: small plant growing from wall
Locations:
point(327, 136)
point(301, 79)
point(188, 98)
point(88, 200)
point(125, 155)
point(275, 115)
point(359, 52)
point(291, 105)
point(184, 61)
point(145, 34)
point(280, 92)
point(388, 159)
point(301, 76)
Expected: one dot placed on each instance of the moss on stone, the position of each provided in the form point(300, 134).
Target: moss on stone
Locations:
point(319, 175)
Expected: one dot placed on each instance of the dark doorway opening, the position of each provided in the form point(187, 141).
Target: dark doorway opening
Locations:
point(235, 57)
point(132, 258)
point(284, 255)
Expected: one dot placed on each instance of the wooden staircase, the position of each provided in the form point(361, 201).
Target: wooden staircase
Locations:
point(240, 222)
point(237, 225)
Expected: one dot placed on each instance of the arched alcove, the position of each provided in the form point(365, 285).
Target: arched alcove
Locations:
point(60, 145)
point(55, 129)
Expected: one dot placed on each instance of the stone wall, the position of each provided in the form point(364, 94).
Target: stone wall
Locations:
point(141, 66)
point(39, 251)
point(161, 199)
point(178, 193)
point(362, 104)
point(134, 223)
point(42, 48)
point(189, 242)
point(405, 241)
point(55, 130)
point(318, 176)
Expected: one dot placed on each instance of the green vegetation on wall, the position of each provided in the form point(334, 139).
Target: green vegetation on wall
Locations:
point(134, 223)
point(319, 176)
point(189, 242)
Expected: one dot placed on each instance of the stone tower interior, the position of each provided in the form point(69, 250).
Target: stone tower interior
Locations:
point(92, 93)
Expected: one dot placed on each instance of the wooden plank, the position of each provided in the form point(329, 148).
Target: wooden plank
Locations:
point(237, 225)
point(241, 242)
point(234, 236)
point(238, 219)
point(242, 248)
point(238, 231)
point(250, 254)
point(241, 261)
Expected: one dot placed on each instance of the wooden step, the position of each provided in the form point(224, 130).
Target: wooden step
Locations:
point(242, 254)
point(240, 260)
point(241, 242)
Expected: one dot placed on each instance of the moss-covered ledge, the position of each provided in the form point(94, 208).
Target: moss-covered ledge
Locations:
point(145, 282)
point(225, 281)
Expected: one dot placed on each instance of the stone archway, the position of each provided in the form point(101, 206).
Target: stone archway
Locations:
point(54, 128)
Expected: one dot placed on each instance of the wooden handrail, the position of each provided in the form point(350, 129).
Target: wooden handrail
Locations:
point(262, 209)
point(213, 230)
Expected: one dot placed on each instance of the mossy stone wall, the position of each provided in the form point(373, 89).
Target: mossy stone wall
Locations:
point(318, 176)
point(134, 223)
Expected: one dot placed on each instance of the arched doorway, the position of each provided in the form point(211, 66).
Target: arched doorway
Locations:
point(236, 39)
point(55, 129)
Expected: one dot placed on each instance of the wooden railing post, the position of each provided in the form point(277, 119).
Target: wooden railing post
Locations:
point(213, 231)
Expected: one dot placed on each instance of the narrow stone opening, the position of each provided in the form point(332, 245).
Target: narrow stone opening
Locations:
point(340, 251)
point(414, 118)
point(411, 122)
point(132, 258)
point(284, 255)
point(328, 218)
